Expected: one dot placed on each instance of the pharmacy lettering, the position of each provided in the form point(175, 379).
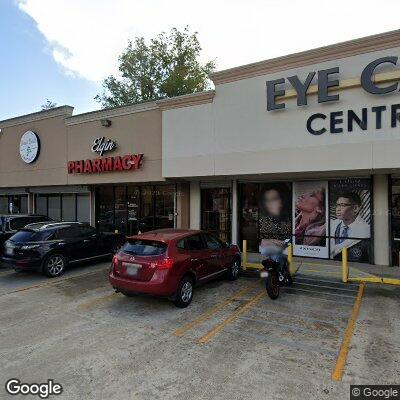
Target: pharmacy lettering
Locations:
point(128, 162)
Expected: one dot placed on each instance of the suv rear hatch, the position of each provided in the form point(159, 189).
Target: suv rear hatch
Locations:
point(139, 258)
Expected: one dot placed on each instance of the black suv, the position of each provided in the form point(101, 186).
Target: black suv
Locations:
point(50, 247)
point(11, 223)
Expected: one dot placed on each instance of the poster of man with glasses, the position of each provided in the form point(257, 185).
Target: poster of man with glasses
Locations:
point(350, 218)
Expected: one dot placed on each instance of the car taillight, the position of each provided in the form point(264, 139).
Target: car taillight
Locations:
point(114, 264)
point(164, 263)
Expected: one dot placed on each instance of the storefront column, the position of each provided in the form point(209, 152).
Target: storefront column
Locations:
point(194, 205)
point(30, 203)
point(381, 219)
point(93, 206)
point(183, 206)
point(234, 213)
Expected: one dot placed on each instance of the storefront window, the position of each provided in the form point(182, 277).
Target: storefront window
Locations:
point(165, 207)
point(105, 208)
point(65, 206)
point(216, 212)
point(3, 204)
point(121, 209)
point(41, 204)
point(83, 208)
point(133, 209)
point(321, 217)
point(54, 207)
point(395, 220)
point(133, 204)
point(249, 214)
point(147, 208)
point(14, 204)
point(68, 207)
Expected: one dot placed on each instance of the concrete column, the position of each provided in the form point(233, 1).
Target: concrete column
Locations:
point(183, 205)
point(93, 206)
point(195, 205)
point(381, 219)
point(235, 215)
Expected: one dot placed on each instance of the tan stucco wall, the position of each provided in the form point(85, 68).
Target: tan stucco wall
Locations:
point(235, 134)
point(48, 169)
point(134, 133)
point(66, 138)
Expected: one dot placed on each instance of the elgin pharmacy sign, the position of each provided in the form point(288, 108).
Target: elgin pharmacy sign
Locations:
point(327, 82)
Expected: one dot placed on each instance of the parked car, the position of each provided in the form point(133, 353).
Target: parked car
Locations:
point(10, 224)
point(170, 262)
point(51, 247)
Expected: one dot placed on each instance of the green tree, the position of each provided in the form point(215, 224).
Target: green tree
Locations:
point(167, 66)
point(48, 105)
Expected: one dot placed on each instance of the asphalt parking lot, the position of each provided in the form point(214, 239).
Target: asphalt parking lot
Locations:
point(233, 342)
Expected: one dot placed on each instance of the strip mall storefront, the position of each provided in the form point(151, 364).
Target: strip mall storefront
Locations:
point(302, 146)
point(102, 167)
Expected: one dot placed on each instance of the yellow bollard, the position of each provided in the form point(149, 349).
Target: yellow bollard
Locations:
point(345, 268)
point(244, 252)
point(290, 257)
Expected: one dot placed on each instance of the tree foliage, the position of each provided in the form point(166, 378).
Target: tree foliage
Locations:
point(167, 66)
point(48, 105)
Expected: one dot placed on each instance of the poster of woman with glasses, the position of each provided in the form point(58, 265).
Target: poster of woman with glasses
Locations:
point(350, 218)
point(310, 217)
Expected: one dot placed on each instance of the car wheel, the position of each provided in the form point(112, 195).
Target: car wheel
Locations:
point(54, 265)
point(184, 294)
point(234, 270)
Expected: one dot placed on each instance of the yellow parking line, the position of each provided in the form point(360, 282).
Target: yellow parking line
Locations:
point(96, 301)
point(52, 282)
point(344, 348)
point(210, 312)
point(219, 327)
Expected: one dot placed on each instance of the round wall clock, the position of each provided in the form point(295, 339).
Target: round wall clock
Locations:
point(29, 147)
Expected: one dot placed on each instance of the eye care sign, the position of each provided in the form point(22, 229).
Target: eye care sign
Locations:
point(371, 82)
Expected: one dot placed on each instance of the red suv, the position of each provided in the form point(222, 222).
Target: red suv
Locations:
point(170, 262)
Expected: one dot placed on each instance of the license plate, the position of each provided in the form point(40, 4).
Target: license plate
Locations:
point(9, 251)
point(132, 269)
point(264, 274)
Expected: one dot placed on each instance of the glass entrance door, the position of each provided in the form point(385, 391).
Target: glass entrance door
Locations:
point(216, 213)
point(132, 209)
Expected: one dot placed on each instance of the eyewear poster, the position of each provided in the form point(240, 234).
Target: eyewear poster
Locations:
point(310, 219)
point(350, 218)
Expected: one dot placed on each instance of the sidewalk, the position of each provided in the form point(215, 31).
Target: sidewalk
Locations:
point(334, 268)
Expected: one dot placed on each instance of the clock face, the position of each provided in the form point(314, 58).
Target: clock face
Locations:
point(29, 147)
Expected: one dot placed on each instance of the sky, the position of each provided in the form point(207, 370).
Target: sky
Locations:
point(61, 50)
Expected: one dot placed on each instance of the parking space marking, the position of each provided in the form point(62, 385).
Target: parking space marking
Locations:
point(241, 310)
point(326, 287)
point(324, 293)
point(210, 312)
point(293, 328)
point(293, 293)
point(291, 344)
point(298, 316)
point(52, 282)
point(306, 278)
point(344, 348)
point(96, 301)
